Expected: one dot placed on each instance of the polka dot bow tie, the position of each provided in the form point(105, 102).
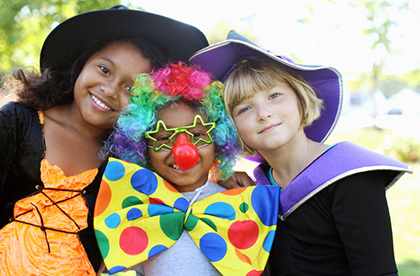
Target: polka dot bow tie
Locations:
point(138, 215)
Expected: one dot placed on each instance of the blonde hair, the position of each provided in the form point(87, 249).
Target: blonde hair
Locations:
point(251, 76)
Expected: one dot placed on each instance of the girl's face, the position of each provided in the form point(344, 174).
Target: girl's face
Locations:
point(269, 119)
point(103, 86)
point(163, 162)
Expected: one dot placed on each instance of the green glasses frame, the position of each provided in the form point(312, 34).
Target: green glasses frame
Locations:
point(177, 130)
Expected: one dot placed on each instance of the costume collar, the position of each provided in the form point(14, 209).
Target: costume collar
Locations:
point(342, 160)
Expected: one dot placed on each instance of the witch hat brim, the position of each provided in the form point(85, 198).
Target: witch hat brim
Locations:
point(177, 40)
point(221, 58)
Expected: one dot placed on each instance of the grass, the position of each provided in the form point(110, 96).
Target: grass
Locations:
point(403, 199)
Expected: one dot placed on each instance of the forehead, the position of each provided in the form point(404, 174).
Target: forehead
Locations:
point(125, 51)
point(179, 114)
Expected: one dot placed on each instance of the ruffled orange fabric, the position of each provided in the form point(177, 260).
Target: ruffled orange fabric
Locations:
point(43, 240)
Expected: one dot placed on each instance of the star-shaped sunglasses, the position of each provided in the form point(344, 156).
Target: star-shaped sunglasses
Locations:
point(198, 133)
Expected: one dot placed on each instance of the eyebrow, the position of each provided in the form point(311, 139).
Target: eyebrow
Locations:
point(108, 59)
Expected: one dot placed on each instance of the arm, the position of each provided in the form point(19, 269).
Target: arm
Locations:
point(237, 180)
point(21, 148)
point(360, 211)
point(8, 139)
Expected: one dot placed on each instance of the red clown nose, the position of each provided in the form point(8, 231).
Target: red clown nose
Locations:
point(185, 153)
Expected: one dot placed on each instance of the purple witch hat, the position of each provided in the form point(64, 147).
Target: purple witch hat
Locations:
point(220, 59)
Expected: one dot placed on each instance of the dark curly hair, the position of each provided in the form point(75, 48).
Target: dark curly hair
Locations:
point(54, 86)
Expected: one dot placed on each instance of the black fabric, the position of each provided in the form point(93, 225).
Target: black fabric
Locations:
point(177, 39)
point(344, 229)
point(22, 150)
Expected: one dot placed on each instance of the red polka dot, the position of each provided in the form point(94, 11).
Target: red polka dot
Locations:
point(154, 200)
point(254, 273)
point(243, 234)
point(104, 197)
point(133, 240)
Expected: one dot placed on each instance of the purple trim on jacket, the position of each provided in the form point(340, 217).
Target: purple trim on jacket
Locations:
point(342, 160)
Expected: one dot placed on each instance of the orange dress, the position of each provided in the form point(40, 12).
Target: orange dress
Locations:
point(44, 233)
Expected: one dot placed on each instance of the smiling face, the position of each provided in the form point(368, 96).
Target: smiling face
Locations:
point(269, 119)
point(103, 86)
point(163, 162)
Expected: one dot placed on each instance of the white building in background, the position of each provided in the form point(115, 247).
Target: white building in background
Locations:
point(405, 102)
point(401, 112)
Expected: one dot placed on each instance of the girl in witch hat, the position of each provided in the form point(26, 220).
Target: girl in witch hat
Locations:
point(50, 169)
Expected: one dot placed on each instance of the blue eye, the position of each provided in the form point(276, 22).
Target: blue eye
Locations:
point(243, 110)
point(274, 95)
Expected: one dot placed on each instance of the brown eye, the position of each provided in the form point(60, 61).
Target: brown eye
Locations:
point(104, 69)
point(128, 89)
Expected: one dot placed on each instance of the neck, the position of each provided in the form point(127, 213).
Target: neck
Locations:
point(291, 158)
point(73, 120)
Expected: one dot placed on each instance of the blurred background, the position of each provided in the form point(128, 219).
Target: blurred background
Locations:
point(373, 43)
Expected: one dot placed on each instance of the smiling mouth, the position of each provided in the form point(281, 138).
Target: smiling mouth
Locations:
point(267, 129)
point(174, 166)
point(101, 104)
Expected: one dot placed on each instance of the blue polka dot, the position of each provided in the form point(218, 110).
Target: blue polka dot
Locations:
point(181, 204)
point(144, 181)
point(213, 247)
point(116, 269)
point(114, 170)
point(268, 242)
point(157, 209)
point(113, 220)
point(265, 201)
point(156, 250)
point(221, 210)
point(134, 213)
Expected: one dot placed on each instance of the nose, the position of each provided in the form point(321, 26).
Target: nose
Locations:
point(110, 90)
point(264, 113)
point(185, 153)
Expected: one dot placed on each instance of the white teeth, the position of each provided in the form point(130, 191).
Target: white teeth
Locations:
point(101, 104)
point(174, 166)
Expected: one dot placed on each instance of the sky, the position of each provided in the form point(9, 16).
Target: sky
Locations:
point(333, 37)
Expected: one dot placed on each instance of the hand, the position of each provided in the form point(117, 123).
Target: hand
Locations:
point(237, 180)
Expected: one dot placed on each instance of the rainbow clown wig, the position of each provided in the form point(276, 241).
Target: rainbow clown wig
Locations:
point(172, 83)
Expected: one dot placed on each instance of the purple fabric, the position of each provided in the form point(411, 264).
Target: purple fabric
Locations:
point(340, 161)
point(260, 177)
point(221, 58)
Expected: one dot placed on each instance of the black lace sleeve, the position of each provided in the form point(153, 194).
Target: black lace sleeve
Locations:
point(22, 148)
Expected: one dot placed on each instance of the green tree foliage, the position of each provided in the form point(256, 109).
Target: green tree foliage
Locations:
point(24, 25)
point(220, 31)
point(379, 15)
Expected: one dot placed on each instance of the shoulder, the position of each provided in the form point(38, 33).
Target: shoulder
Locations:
point(214, 187)
point(359, 183)
point(211, 188)
point(17, 120)
point(17, 109)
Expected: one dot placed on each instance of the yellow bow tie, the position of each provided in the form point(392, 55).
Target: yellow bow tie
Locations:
point(138, 215)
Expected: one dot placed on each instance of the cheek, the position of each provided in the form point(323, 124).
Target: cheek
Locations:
point(124, 100)
point(152, 158)
point(208, 153)
point(242, 127)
